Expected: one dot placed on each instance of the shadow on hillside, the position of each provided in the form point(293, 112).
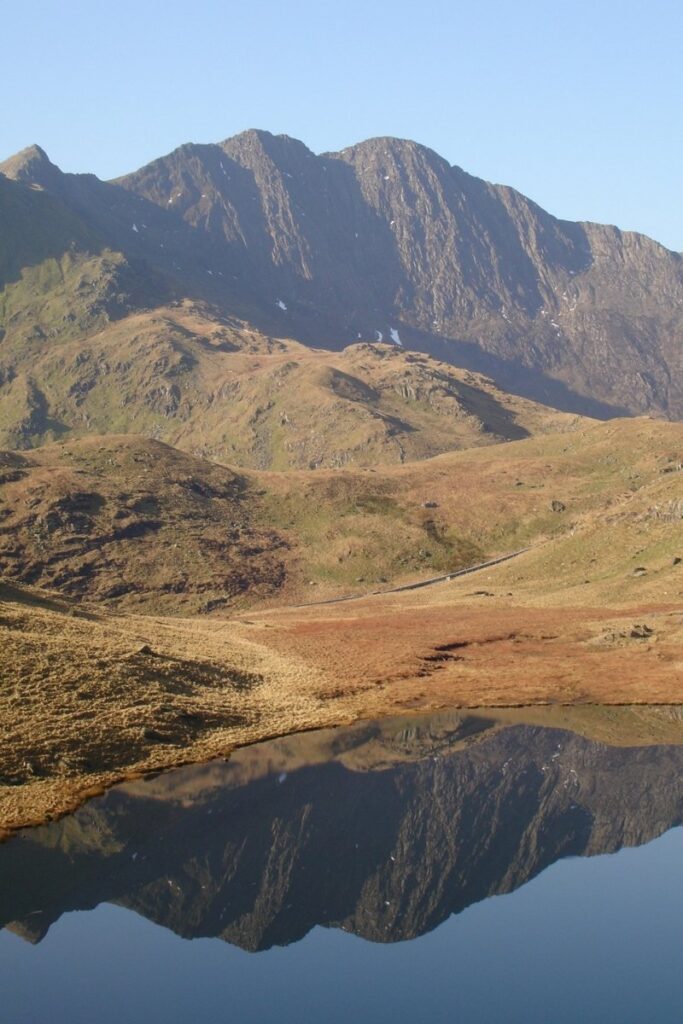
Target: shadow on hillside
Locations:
point(516, 378)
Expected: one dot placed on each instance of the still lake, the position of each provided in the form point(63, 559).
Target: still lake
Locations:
point(452, 867)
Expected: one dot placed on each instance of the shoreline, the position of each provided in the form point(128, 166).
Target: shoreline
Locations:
point(89, 699)
point(542, 714)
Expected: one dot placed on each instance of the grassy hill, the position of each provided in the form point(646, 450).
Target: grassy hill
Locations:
point(140, 525)
point(217, 388)
point(354, 526)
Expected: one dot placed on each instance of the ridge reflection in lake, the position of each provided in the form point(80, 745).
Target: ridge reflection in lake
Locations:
point(383, 830)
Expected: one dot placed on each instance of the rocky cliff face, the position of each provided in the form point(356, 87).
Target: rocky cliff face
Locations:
point(442, 819)
point(387, 239)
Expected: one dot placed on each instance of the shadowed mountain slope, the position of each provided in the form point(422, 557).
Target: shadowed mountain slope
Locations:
point(387, 235)
point(58, 276)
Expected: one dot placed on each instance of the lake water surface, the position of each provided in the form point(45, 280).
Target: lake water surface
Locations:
point(455, 867)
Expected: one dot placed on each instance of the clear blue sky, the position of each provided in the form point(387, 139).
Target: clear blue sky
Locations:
point(577, 104)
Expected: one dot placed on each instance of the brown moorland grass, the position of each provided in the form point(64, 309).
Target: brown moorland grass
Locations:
point(88, 701)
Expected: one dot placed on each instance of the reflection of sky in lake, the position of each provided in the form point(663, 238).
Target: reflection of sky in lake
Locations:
point(591, 939)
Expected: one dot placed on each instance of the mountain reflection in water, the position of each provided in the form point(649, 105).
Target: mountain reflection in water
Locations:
point(382, 829)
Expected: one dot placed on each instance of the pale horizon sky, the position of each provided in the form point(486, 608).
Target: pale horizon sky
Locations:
point(578, 105)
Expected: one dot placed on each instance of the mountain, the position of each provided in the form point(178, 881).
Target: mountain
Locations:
point(365, 849)
point(79, 357)
point(386, 235)
point(384, 239)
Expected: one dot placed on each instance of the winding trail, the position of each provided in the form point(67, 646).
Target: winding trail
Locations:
point(445, 578)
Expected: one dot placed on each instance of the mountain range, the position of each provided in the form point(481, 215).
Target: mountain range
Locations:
point(383, 242)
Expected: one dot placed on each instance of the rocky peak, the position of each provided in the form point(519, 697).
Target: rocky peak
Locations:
point(32, 166)
point(256, 143)
point(388, 151)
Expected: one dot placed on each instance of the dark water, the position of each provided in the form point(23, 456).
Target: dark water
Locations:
point(452, 868)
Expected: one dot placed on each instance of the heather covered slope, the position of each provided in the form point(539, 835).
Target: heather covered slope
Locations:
point(133, 522)
point(386, 239)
